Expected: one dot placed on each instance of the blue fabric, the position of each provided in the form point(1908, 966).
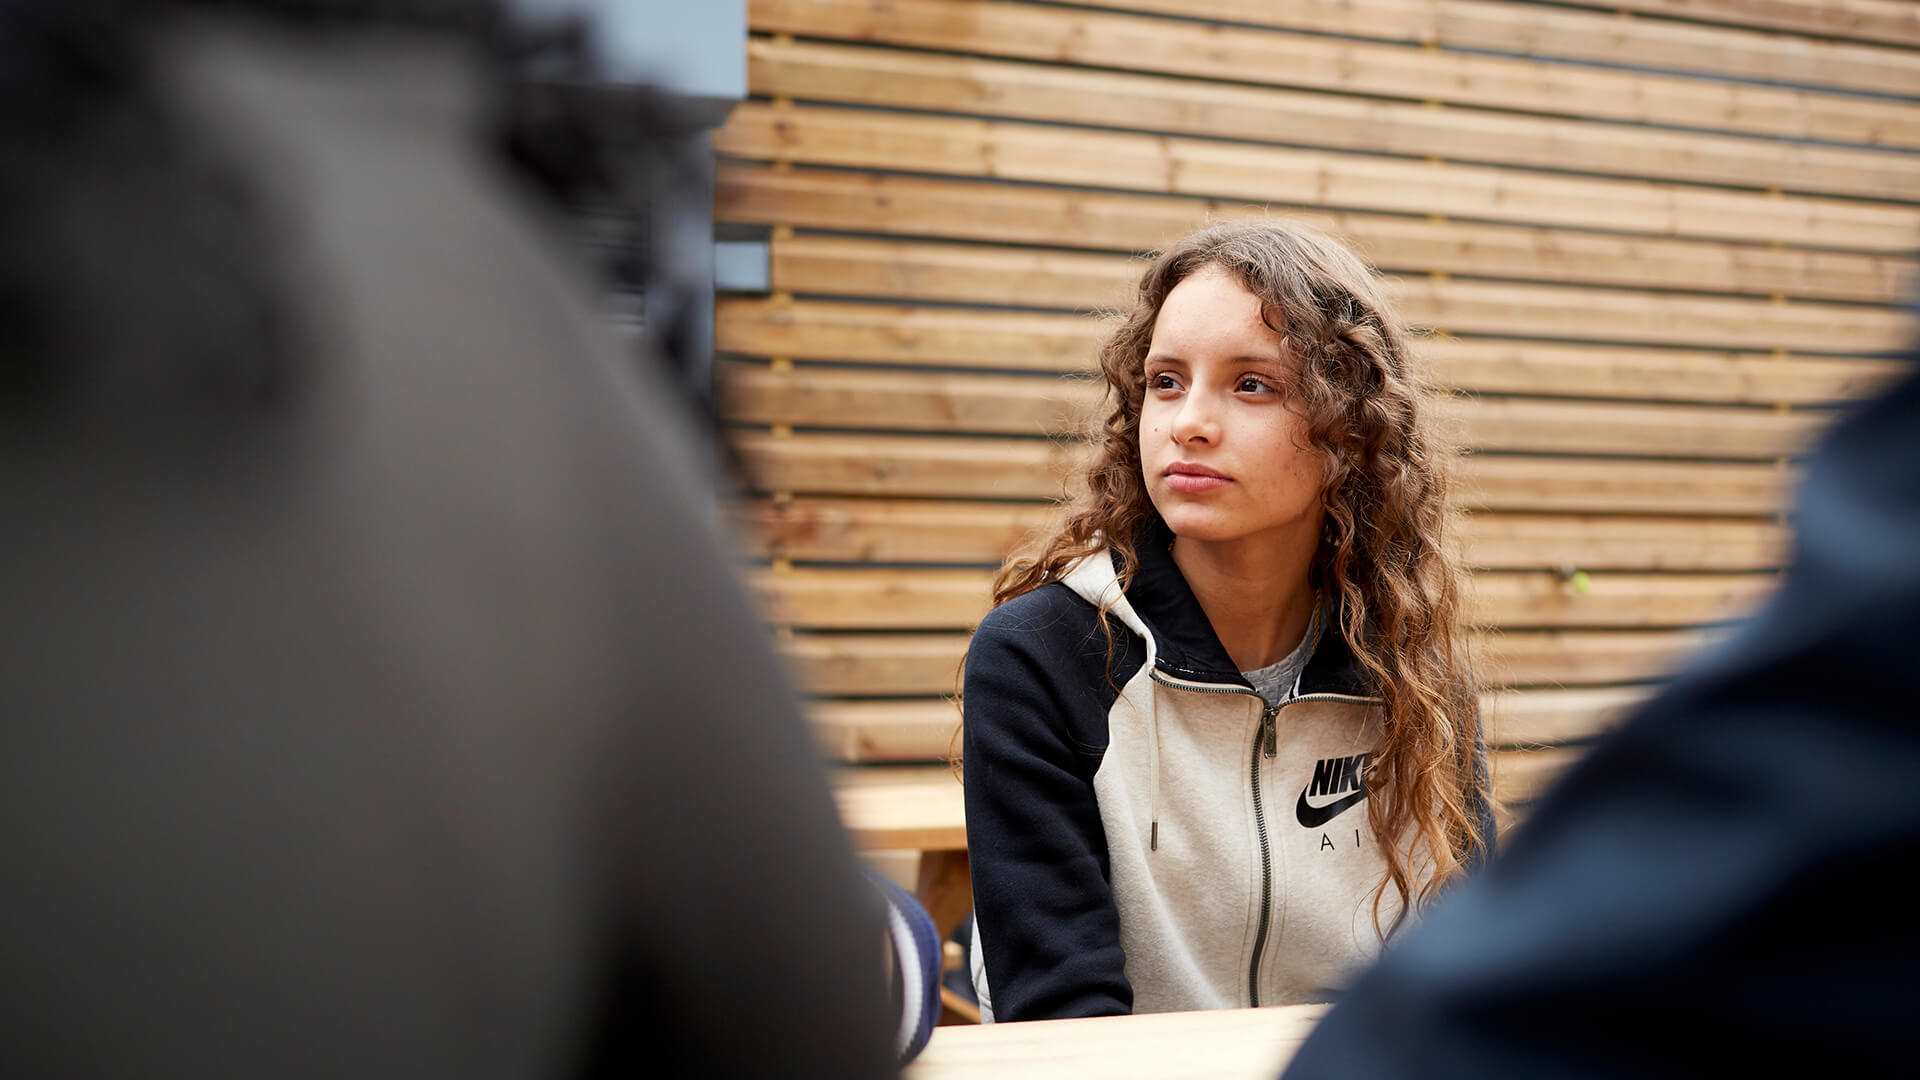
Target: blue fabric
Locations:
point(916, 985)
point(1714, 889)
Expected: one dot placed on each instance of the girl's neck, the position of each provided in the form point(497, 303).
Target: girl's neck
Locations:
point(1254, 591)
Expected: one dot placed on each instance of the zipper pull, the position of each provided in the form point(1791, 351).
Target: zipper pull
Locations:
point(1270, 731)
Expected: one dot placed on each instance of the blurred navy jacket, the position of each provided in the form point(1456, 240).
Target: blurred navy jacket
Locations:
point(1717, 884)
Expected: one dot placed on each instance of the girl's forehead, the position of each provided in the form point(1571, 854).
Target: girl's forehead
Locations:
point(1211, 311)
point(1201, 345)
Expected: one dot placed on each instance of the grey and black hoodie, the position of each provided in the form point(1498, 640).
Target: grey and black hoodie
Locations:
point(1147, 834)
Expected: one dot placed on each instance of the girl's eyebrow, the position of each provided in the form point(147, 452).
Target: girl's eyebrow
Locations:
point(1248, 358)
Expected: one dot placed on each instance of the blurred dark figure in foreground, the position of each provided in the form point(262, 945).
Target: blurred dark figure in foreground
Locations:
point(376, 699)
point(1714, 889)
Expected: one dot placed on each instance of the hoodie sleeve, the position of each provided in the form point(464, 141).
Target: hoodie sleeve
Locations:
point(1042, 899)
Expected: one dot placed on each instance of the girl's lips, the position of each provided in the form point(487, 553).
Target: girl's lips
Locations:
point(1193, 484)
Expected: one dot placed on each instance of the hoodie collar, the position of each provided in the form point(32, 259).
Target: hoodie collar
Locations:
point(1186, 646)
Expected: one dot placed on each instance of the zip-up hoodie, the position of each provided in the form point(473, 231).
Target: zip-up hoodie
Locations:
point(1146, 833)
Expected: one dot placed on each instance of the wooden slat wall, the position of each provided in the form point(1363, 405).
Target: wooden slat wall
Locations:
point(1743, 50)
point(1893, 21)
point(1198, 107)
point(1028, 32)
point(1652, 244)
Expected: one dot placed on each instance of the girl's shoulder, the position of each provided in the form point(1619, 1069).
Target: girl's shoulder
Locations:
point(1057, 635)
point(1056, 622)
point(1041, 672)
point(1052, 608)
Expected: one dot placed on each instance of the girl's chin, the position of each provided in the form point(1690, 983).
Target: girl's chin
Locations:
point(1203, 524)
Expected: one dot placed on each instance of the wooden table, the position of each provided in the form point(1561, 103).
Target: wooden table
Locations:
point(1222, 1045)
point(922, 809)
point(918, 808)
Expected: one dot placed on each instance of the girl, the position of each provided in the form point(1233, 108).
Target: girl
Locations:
point(1220, 731)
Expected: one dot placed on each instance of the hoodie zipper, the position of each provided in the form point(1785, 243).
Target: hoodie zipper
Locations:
point(1265, 743)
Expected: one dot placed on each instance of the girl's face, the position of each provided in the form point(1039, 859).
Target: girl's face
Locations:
point(1223, 449)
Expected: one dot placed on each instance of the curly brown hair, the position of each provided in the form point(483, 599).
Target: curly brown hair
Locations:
point(1386, 552)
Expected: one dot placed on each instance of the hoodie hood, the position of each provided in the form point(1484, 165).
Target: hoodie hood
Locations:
point(1162, 609)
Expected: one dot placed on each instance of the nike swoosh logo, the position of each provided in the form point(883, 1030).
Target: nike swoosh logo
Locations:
point(1312, 817)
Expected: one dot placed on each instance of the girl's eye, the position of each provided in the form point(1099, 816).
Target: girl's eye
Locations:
point(1162, 381)
point(1258, 384)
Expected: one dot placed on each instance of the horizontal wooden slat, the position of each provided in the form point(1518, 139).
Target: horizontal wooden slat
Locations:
point(878, 665)
point(923, 599)
point(1102, 39)
point(829, 530)
point(894, 270)
point(840, 397)
point(875, 599)
point(871, 76)
point(925, 730)
point(1544, 717)
point(923, 807)
point(922, 810)
point(1891, 22)
point(1522, 776)
point(1642, 318)
point(1553, 31)
point(878, 139)
point(904, 334)
point(1633, 543)
point(1535, 367)
point(908, 465)
point(1606, 428)
point(1542, 485)
point(1621, 599)
point(900, 664)
point(1021, 405)
point(1012, 340)
point(944, 466)
point(1584, 657)
point(859, 732)
point(854, 530)
point(972, 210)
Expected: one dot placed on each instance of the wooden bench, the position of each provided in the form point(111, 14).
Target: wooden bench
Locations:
point(918, 810)
point(923, 730)
point(921, 808)
point(1225, 1044)
point(848, 665)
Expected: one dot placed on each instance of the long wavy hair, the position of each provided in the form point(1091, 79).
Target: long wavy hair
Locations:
point(1386, 551)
